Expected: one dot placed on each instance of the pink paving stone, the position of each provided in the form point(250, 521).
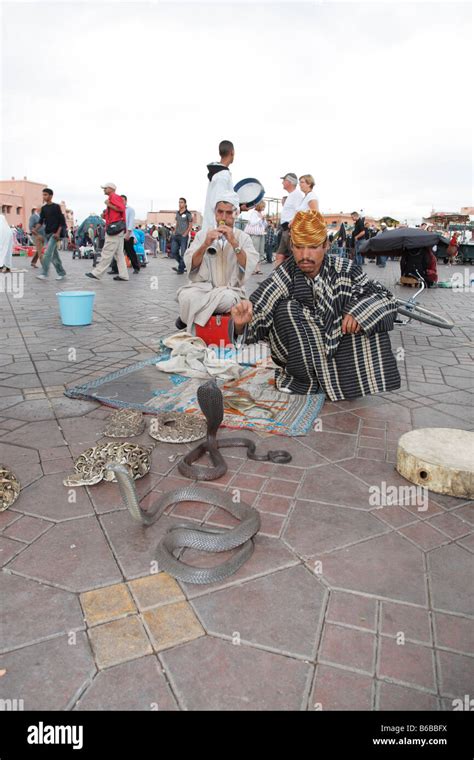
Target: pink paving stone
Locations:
point(9, 549)
point(333, 485)
point(343, 422)
point(315, 528)
point(337, 689)
point(333, 446)
point(449, 502)
point(370, 443)
point(419, 511)
point(391, 696)
point(212, 674)
point(372, 454)
point(258, 468)
point(373, 432)
point(57, 465)
point(346, 646)
point(385, 412)
point(466, 513)
point(27, 529)
point(7, 517)
point(451, 570)
point(456, 674)
point(249, 482)
point(394, 515)
point(116, 688)
point(190, 510)
point(281, 487)
point(352, 609)
point(271, 525)
point(272, 503)
point(454, 632)
point(467, 542)
point(413, 622)
point(424, 536)
point(410, 663)
point(385, 566)
point(451, 525)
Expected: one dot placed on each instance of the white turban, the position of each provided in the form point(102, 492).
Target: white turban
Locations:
point(228, 197)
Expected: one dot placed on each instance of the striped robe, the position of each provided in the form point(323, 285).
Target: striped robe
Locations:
point(302, 318)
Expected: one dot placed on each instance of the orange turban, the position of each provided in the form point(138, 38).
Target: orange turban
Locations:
point(308, 229)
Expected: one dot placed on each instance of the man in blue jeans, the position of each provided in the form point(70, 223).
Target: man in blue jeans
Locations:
point(179, 241)
point(358, 237)
point(53, 220)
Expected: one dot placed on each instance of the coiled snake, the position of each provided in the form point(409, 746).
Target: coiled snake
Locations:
point(212, 406)
point(202, 538)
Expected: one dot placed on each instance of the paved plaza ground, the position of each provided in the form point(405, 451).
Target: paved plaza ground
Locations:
point(343, 605)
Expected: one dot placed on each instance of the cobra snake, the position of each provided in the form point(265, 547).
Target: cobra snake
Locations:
point(203, 538)
point(212, 406)
point(183, 536)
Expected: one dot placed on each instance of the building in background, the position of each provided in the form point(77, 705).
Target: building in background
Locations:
point(335, 220)
point(169, 217)
point(19, 196)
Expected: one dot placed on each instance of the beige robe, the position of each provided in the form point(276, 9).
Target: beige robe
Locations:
point(218, 284)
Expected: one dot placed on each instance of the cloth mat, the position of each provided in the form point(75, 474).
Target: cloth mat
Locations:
point(251, 402)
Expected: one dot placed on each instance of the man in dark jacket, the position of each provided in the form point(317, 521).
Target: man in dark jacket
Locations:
point(53, 220)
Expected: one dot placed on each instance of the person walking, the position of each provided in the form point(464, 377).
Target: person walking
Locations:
point(128, 241)
point(37, 237)
point(179, 241)
point(256, 229)
point(53, 220)
point(115, 227)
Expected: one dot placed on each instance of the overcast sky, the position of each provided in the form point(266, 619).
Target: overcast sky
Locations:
point(373, 99)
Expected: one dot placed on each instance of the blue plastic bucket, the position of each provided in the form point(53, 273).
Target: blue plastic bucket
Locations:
point(76, 307)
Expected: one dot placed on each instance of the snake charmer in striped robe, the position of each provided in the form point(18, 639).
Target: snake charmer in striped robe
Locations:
point(302, 321)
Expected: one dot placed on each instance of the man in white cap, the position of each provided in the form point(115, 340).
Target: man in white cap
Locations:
point(292, 203)
point(218, 261)
point(115, 228)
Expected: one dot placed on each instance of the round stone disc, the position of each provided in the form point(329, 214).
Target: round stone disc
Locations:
point(442, 459)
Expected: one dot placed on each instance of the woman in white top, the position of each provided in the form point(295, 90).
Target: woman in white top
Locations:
point(310, 200)
point(256, 228)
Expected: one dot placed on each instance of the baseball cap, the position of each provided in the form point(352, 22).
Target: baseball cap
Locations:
point(291, 176)
point(109, 184)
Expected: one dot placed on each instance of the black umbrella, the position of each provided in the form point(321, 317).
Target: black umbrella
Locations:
point(402, 239)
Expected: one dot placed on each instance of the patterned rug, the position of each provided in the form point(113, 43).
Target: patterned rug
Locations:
point(251, 402)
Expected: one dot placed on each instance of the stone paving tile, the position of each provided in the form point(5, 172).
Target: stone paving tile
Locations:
point(35, 434)
point(315, 528)
point(333, 446)
point(27, 529)
point(172, 624)
point(49, 675)
point(341, 422)
point(49, 498)
point(424, 536)
point(456, 674)
point(338, 689)
point(386, 566)
point(51, 466)
point(333, 485)
point(347, 647)
point(105, 604)
point(32, 611)
point(413, 622)
point(275, 504)
point(352, 609)
point(8, 517)
point(245, 679)
point(73, 555)
point(451, 525)
point(281, 611)
point(394, 515)
point(391, 696)
point(29, 411)
point(454, 632)
point(467, 543)
point(451, 570)
point(9, 549)
point(116, 688)
point(409, 663)
point(119, 641)
point(466, 513)
point(155, 590)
